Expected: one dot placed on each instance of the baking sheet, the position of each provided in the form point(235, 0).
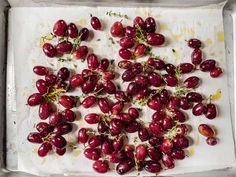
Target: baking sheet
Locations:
point(174, 24)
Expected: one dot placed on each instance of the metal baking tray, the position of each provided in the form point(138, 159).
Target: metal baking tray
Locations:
point(229, 16)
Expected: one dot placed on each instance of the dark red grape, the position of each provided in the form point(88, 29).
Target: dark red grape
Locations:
point(211, 141)
point(95, 23)
point(180, 142)
point(152, 166)
point(154, 104)
point(42, 86)
point(60, 28)
point(84, 34)
point(170, 80)
point(67, 101)
point(51, 79)
point(106, 147)
point(184, 103)
point(132, 88)
point(196, 56)
point(116, 156)
point(69, 115)
point(181, 129)
point(125, 54)
point(59, 141)
point(92, 154)
point(100, 166)
point(92, 61)
point(35, 138)
point(150, 25)
point(63, 128)
point(61, 151)
point(104, 64)
point(124, 166)
point(192, 82)
point(194, 43)
point(109, 87)
point(102, 127)
point(35, 99)
point(130, 31)
point(155, 39)
point(207, 65)
point(174, 103)
point(49, 50)
point(140, 50)
point(194, 97)
point(92, 118)
point(44, 111)
point(139, 22)
point(186, 68)
point(211, 111)
point(115, 126)
point(117, 107)
point(72, 30)
point(89, 101)
point(166, 146)
point(157, 63)
point(199, 109)
point(44, 128)
point(140, 152)
point(64, 47)
point(117, 29)
point(132, 127)
point(82, 136)
point(178, 154)
point(154, 141)
point(76, 80)
point(168, 161)
point(216, 72)
point(104, 105)
point(156, 129)
point(126, 42)
point(95, 141)
point(154, 154)
point(63, 73)
point(154, 79)
point(81, 52)
point(143, 134)
point(121, 96)
point(55, 118)
point(124, 64)
point(118, 143)
point(88, 86)
point(44, 149)
point(40, 70)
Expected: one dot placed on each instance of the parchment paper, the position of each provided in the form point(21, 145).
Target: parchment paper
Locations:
point(177, 25)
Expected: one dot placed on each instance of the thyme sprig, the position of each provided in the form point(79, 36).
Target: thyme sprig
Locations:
point(118, 14)
point(144, 101)
point(171, 133)
point(181, 91)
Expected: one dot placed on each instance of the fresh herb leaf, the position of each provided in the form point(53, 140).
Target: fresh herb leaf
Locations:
point(110, 13)
point(112, 40)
